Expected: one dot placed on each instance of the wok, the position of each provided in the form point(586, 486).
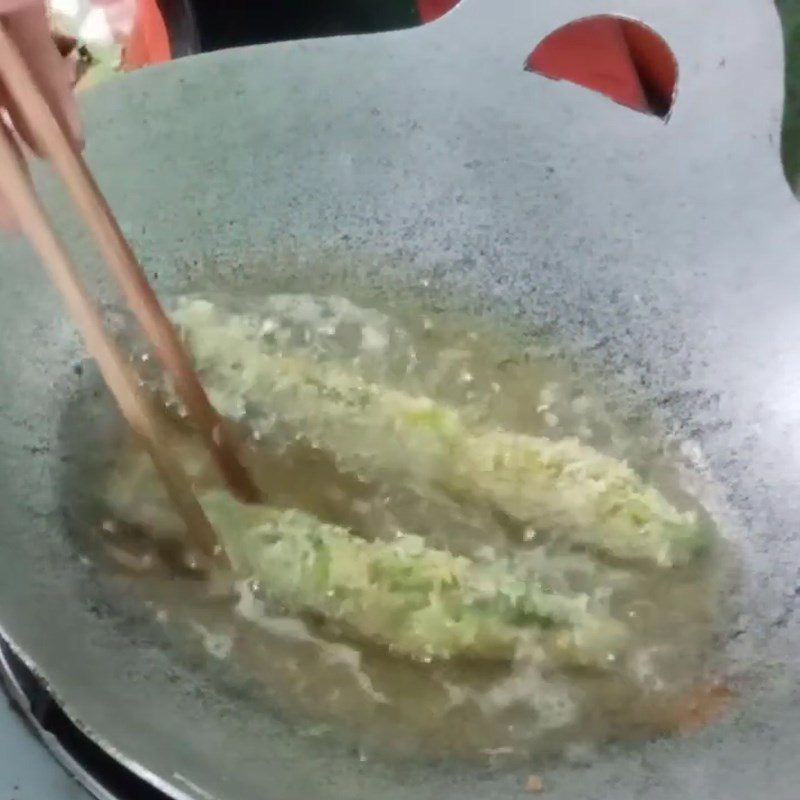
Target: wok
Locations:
point(428, 163)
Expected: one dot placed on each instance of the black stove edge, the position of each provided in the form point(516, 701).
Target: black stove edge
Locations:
point(87, 762)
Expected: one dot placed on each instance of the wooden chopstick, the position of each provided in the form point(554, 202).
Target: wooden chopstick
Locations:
point(116, 371)
point(123, 264)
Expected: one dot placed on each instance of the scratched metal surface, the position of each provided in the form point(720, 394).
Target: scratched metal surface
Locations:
point(372, 164)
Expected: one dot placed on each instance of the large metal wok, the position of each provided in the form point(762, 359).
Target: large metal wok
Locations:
point(429, 162)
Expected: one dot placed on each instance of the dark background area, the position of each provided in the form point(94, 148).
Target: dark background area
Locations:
point(790, 140)
point(231, 23)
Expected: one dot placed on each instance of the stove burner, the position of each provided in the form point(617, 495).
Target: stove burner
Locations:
point(95, 769)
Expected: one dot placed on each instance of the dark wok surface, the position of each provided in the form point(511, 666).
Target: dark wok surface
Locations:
point(370, 165)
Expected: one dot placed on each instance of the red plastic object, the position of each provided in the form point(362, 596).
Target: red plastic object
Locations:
point(655, 64)
point(620, 58)
point(149, 40)
point(430, 10)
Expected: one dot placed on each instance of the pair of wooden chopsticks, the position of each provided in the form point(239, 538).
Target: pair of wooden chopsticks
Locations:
point(115, 368)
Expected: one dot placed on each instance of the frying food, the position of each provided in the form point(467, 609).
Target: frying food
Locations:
point(416, 600)
point(562, 485)
point(459, 550)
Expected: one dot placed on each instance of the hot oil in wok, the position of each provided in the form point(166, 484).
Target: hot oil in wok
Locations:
point(326, 680)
